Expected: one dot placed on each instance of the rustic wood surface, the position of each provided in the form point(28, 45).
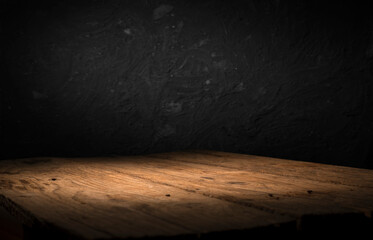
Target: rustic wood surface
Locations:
point(178, 193)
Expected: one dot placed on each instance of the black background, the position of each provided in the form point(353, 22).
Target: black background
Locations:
point(289, 79)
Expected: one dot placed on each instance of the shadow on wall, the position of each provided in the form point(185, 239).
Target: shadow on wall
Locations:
point(288, 79)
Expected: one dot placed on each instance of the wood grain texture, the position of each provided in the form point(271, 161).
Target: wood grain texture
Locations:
point(172, 194)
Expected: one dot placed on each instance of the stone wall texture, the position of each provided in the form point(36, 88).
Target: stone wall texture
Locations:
point(289, 79)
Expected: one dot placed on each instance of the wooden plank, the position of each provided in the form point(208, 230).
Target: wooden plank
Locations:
point(269, 192)
point(289, 168)
point(91, 199)
point(179, 193)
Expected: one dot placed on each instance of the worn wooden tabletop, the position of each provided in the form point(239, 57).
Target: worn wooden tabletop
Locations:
point(179, 193)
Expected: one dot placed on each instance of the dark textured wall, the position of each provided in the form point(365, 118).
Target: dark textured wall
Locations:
point(290, 79)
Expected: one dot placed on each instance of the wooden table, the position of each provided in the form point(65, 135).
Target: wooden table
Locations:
point(192, 194)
